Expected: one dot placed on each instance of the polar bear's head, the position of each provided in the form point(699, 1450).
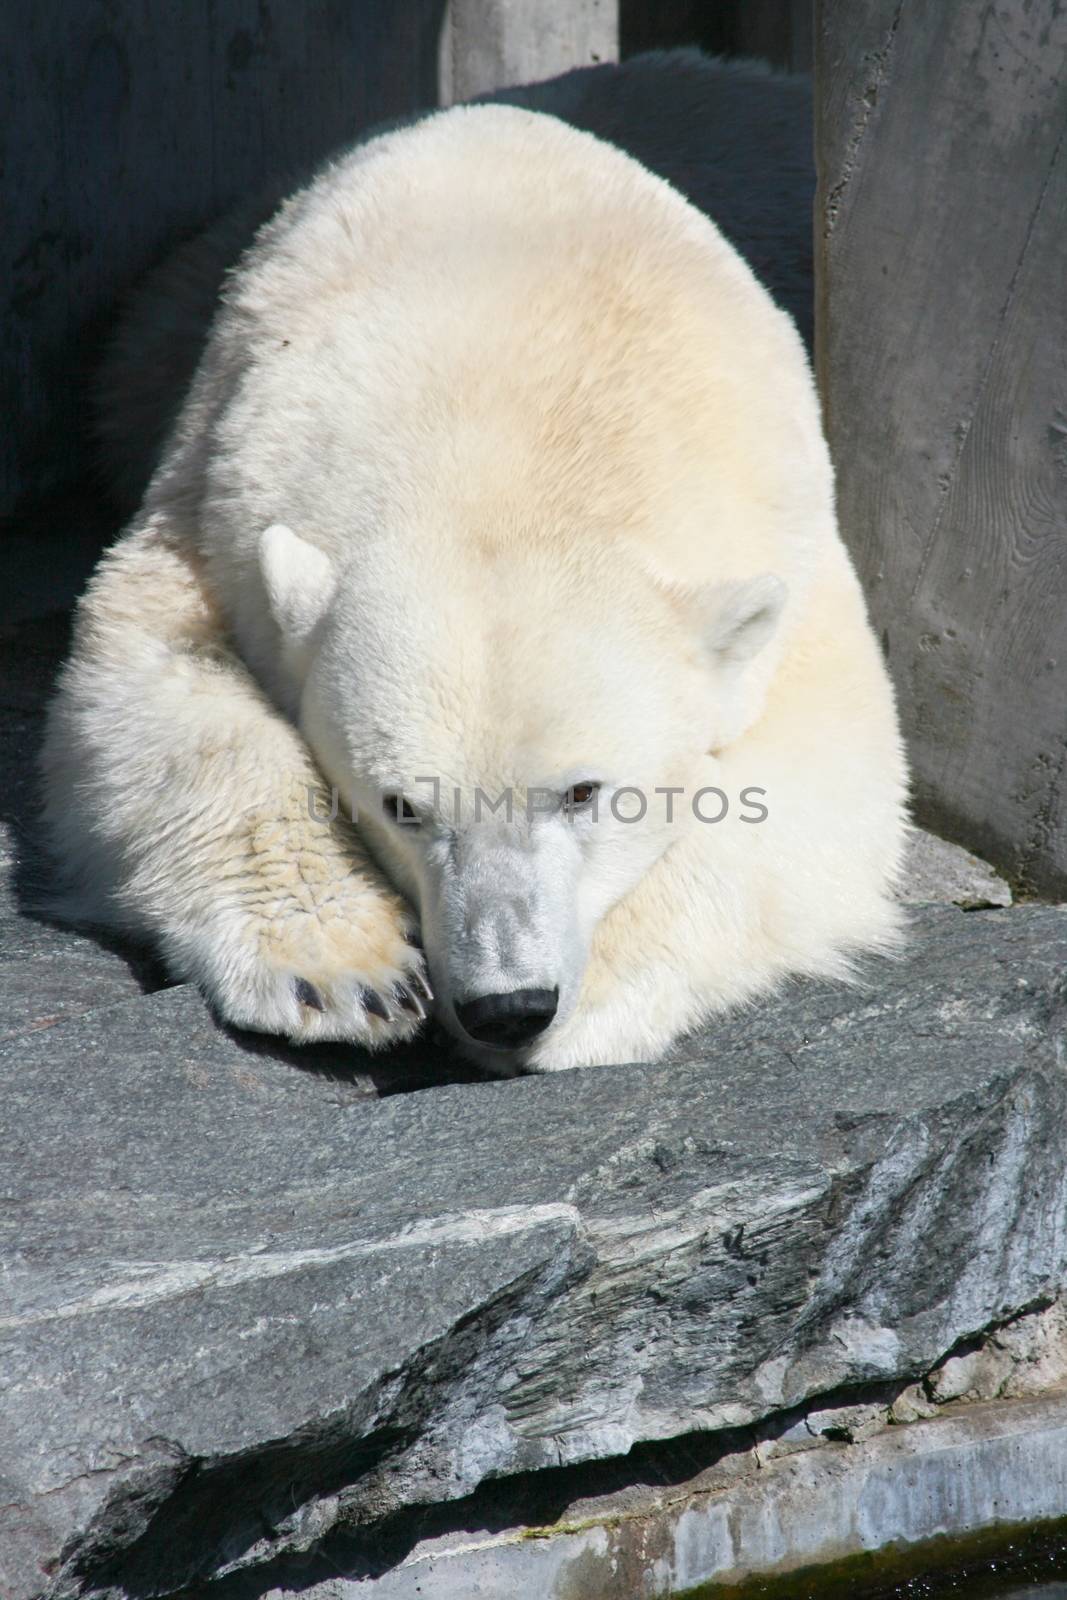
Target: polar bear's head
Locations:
point(482, 710)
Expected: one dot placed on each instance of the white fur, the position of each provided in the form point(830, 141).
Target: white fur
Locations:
point(500, 468)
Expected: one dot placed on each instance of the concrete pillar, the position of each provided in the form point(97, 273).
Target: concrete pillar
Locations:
point(941, 332)
point(490, 44)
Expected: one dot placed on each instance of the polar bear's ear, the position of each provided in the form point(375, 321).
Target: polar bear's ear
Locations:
point(741, 616)
point(299, 578)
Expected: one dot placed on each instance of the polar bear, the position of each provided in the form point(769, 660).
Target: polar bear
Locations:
point(484, 642)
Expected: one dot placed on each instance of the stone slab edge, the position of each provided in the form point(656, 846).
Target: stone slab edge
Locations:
point(965, 1470)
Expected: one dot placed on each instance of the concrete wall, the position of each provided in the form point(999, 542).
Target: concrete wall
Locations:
point(941, 314)
point(488, 44)
point(779, 31)
point(130, 123)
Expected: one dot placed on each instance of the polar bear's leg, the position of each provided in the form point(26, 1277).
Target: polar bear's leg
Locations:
point(184, 809)
point(728, 912)
point(652, 972)
point(701, 935)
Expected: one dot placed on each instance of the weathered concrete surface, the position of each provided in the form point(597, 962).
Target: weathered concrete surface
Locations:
point(128, 126)
point(941, 255)
point(488, 44)
point(244, 1302)
point(968, 1470)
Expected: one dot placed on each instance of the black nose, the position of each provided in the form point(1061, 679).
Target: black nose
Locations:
point(508, 1020)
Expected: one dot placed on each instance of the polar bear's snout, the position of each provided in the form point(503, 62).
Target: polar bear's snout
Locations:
point(499, 911)
point(508, 1021)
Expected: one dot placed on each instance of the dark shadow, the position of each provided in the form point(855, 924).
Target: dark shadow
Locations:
point(777, 31)
point(428, 1061)
point(131, 127)
point(30, 656)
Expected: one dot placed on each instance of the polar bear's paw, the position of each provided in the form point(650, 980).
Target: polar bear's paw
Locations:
point(623, 1016)
point(310, 978)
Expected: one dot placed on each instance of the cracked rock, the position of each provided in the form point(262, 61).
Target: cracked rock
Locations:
point(250, 1294)
point(1025, 1357)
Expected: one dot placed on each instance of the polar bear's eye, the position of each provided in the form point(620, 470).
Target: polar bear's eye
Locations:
point(579, 795)
point(395, 806)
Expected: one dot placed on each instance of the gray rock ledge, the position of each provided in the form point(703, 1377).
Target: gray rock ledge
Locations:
point(920, 1490)
point(245, 1302)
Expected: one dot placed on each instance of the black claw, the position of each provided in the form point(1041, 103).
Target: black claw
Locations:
point(409, 1002)
point(424, 983)
point(308, 995)
point(373, 1002)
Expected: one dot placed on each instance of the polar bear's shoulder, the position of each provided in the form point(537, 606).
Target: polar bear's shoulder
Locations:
point(493, 184)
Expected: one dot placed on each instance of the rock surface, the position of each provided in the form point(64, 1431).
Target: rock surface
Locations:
point(246, 1300)
point(936, 871)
